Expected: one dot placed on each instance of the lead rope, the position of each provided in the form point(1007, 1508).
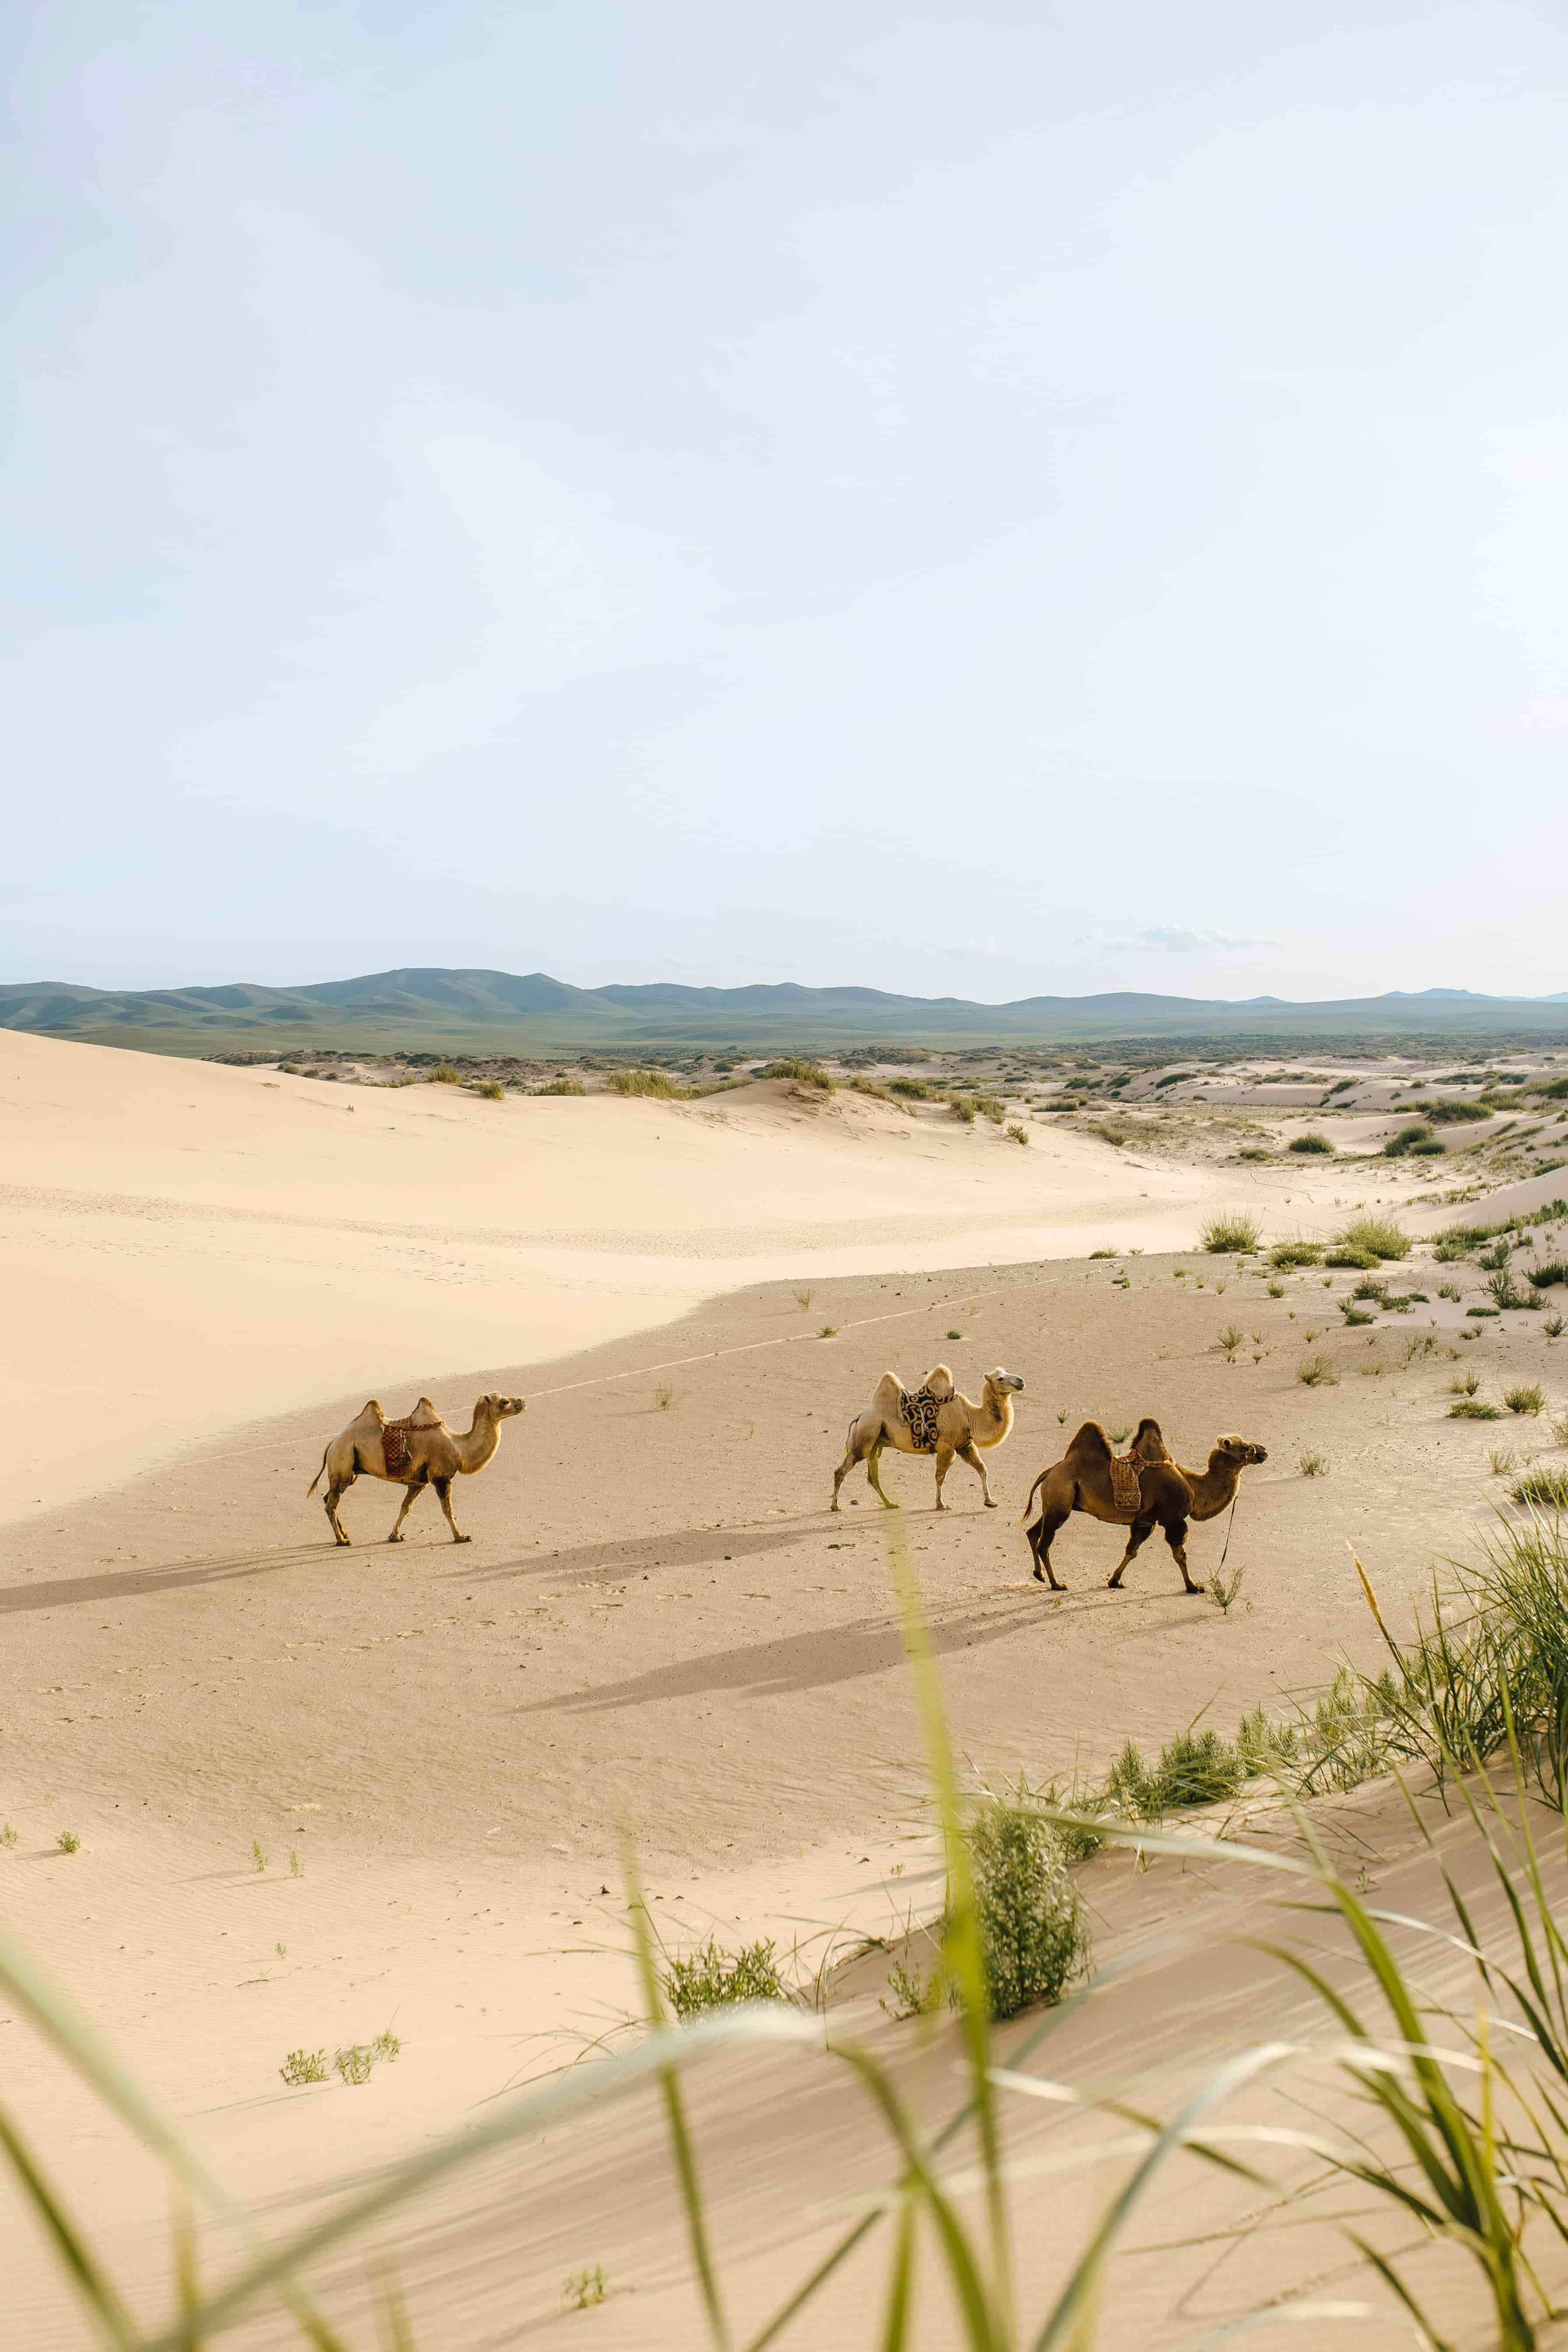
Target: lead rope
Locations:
point(1230, 1524)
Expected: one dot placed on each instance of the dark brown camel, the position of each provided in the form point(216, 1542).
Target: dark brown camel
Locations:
point(1168, 1494)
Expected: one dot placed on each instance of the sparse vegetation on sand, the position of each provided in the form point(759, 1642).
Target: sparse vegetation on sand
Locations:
point(709, 1977)
point(1235, 1232)
point(1313, 1144)
point(1417, 1139)
point(1311, 1463)
point(1469, 1408)
point(1546, 1488)
point(1034, 1937)
point(563, 1084)
point(658, 1084)
point(1289, 1254)
point(302, 2066)
point(804, 1074)
point(1317, 1373)
point(1384, 1237)
point(1526, 1396)
point(581, 2290)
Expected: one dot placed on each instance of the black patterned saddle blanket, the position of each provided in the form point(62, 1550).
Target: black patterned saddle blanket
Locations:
point(920, 1410)
point(394, 1443)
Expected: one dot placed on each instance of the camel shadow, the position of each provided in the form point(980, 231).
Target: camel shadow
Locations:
point(793, 1663)
point(637, 1555)
point(129, 1584)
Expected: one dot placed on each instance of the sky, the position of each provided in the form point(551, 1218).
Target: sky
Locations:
point(1032, 496)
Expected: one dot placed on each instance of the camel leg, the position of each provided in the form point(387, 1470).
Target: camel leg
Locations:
point(1177, 1537)
point(944, 1454)
point(443, 1496)
point(332, 1498)
point(1042, 1535)
point(969, 1452)
point(850, 1458)
point(409, 1499)
point(871, 1461)
point(1138, 1536)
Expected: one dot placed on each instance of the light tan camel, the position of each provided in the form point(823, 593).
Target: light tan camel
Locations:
point(419, 1451)
point(1168, 1494)
point(953, 1428)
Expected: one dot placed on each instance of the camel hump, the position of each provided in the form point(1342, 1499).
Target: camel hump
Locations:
point(371, 1411)
point(424, 1411)
point(1092, 1439)
point(1150, 1443)
point(938, 1383)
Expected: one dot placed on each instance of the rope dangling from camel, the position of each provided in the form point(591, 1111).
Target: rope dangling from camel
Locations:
point(394, 1441)
point(1126, 1481)
point(920, 1409)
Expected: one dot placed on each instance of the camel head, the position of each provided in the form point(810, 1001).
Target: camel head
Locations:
point(1002, 1381)
point(1240, 1451)
point(499, 1408)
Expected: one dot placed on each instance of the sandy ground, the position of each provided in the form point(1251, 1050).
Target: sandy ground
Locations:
point(657, 1629)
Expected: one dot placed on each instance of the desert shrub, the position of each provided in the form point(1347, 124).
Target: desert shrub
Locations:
point(1033, 1933)
point(1015, 1132)
point(1254, 1151)
point(1543, 1277)
point(1501, 1291)
point(1343, 1254)
point(1524, 1397)
point(805, 1074)
point(912, 1089)
point(304, 2066)
point(1310, 1144)
point(1296, 1253)
point(1450, 1114)
point(1545, 1488)
point(491, 1090)
point(562, 1085)
point(1312, 1465)
point(1234, 1230)
point(444, 1075)
point(1317, 1373)
point(1473, 1409)
point(1201, 1768)
point(962, 1107)
point(1407, 1140)
point(353, 2064)
point(1354, 1314)
point(657, 1083)
point(1464, 1383)
point(990, 1107)
point(1371, 1285)
point(1381, 1235)
point(710, 1977)
point(585, 2288)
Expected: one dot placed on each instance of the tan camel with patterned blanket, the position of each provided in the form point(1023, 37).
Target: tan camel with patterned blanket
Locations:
point(418, 1451)
point(933, 1419)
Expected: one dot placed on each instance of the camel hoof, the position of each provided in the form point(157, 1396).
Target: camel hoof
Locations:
point(991, 1502)
point(395, 1538)
point(1195, 1588)
point(1039, 1576)
point(462, 1539)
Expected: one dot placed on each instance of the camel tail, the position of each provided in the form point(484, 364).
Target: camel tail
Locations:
point(317, 1479)
point(1033, 1492)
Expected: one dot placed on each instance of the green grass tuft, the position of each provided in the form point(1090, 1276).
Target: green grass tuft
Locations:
point(709, 1977)
point(1235, 1232)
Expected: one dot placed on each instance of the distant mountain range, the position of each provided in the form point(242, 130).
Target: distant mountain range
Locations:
point(498, 1012)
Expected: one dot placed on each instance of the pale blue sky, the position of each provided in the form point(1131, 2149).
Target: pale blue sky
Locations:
point(976, 499)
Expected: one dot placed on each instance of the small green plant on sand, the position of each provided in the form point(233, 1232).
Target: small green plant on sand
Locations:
point(491, 1090)
point(1383, 1237)
point(664, 1398)
point(1222, 1590)
point(1310, 1144)
point(1524, 1397)
point(1546, 1488)
point(69, 1842)
point(1277, 1290)
point(1317, 1373)
point(913, 1995)
point(803, 1298)
point(1234, 1232)
point(562, 1085)
point(955, 1335)
point(1465, 1383)
point(7, 1837)
point(1286, 1254)
point(444, 1075)
point(1229, 1340)
point(304, 2066)
point(710, 1977)
point(1311, 1463)
point(258, 1859)
point(296, 1867)
point(1474, 1409)
point(1032, 1935)
point(354, 2064)
point(585, 2288)
point(1502, 1461)
point(1017, 1132)
point(829, 1331)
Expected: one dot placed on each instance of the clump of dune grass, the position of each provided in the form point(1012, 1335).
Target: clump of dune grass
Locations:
point(829, 1331)
point(1234, 1232)
point(1286, 1254)
point(302, 2066)
point(912, 1089)
point(664, 1397)
point(69, 1842)
point(1311, 1463)
point(804, 1074)
point(1526, 1396)
point(491, 1090)
point(1345, 1254)
point(563, 1084)
point(1312, 1144)
point(1254, 1151)
point(656, 1083)
point(1032, 1935)
point(1016, 1131)
point(582, 2290)
point(962, 1106)
point(992, 1108)
point(710, 1977)
point(1384, 1237)
point(1464, 1383)
point(1317, 1373)
point(444, 1075)
point(1474, 1409)
point(1545, 1488)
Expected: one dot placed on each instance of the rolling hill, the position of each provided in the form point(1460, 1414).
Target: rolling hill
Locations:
point(498, 1011)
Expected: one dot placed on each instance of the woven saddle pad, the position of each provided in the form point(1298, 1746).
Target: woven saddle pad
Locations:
point(920, 1410)
point(1126, 1481)
point(394, 1443)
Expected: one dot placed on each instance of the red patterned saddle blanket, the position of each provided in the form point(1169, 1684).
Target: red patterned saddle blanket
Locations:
point(1126, 1481)
point(920, 1410)
point(394, 1443)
